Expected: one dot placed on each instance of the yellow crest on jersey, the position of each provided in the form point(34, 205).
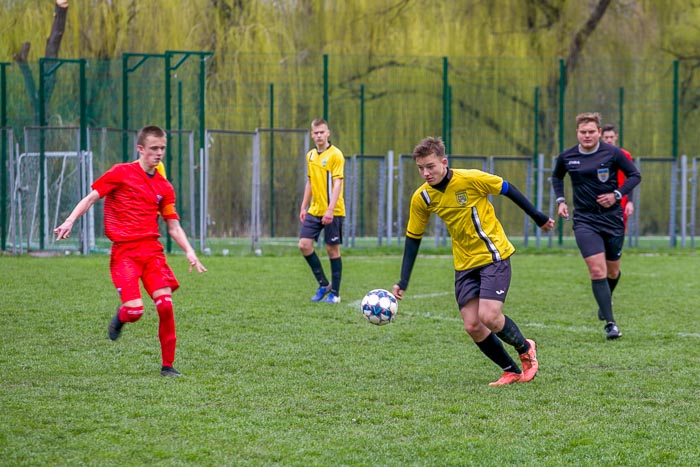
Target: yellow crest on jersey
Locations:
point(461, 197)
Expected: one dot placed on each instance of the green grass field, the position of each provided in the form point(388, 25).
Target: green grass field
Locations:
point(272, 379)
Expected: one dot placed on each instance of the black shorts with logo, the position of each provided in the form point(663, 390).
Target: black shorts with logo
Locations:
point(332, 233)
point(490, 282)
point(599, 232)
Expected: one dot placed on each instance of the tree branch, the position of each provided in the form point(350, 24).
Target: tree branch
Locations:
point(53, 44)
point(584, 34)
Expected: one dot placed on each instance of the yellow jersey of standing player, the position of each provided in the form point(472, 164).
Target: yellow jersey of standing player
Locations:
point(323, 168)
point(477, 235)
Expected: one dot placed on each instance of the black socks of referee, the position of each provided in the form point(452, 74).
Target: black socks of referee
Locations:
point(613, 283)
point(602, 294)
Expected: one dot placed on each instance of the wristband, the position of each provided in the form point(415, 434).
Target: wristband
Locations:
point(560, 200)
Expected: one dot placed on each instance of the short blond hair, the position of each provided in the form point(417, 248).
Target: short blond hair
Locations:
point(318, 122)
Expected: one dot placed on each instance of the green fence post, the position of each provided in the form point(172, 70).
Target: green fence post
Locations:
point(42, 153)
point(535, 139)
point(448, 144)
point(202, 99)
point(536, 129)
point(325, 87)
point(125, 106)
point(180, 118)
point(621, 133)
point(272, 160)
point(3, 155)
point(362, 160)
point(674, 142)
point(445, 96)
point(562, 91)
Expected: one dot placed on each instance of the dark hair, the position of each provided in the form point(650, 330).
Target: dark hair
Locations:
point(609, 127)
point(588, 117)
point(428, 146)
point(150, 130)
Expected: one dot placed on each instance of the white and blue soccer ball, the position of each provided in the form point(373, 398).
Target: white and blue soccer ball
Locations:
point(379, 306)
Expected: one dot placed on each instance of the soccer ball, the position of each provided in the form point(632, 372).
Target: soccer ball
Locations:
point(379, 306)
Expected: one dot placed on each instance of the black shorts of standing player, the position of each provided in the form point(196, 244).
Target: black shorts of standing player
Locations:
point(489, 282)
point(591, 241)
point(332, 233)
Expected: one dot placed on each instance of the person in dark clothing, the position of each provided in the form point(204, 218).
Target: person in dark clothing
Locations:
point(599, 228)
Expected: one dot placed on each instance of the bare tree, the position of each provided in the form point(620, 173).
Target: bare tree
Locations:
point(572, 59)
point(53, 45)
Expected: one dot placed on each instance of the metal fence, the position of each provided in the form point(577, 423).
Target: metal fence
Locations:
point(237, 194)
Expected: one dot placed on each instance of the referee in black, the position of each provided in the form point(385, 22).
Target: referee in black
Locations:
point(599, 228)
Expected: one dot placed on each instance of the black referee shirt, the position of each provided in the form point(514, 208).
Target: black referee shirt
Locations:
point(594, 174)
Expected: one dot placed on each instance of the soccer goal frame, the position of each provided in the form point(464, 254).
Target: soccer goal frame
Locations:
point(73, 173)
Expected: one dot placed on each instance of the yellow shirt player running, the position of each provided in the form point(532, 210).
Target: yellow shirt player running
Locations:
point(480, 250)
point(477, 235)
point(323, 208)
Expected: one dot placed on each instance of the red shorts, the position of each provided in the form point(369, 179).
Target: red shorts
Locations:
point(145, 260)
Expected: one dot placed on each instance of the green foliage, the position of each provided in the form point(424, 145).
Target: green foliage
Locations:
point(499, 53)
point(271, 379)
point(500, 60)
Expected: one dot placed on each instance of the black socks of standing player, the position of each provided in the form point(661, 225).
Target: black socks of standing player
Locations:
point(336, 274)
point(317, 269)
point(494, 350)
point(601, 292)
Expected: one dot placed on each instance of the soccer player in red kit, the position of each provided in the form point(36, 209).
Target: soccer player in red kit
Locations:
point(135, 194)
point(610, 137)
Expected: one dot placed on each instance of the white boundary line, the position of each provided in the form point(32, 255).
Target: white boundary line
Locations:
point(355, 304)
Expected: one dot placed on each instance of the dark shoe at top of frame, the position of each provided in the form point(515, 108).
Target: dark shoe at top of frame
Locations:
point(320, 293)
point(169, 371)
point(612, 331)
point(115, 327)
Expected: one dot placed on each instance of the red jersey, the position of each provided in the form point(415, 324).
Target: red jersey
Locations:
point(133, 201)
point(620, 180)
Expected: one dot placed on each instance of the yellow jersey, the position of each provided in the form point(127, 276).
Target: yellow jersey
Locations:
point(462, 203)
point(322, 169)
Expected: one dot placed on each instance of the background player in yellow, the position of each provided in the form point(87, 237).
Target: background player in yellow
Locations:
point(323, 209)
point(480, 249)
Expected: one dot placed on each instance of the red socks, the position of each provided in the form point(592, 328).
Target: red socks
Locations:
point(129, 314)
point(166, 328)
